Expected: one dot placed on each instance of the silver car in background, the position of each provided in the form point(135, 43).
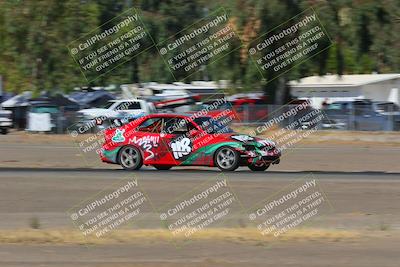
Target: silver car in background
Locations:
point(362, 115)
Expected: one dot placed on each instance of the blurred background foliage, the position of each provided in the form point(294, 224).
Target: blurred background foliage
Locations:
point(34, 35)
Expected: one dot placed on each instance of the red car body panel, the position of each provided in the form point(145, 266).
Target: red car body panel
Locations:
point(196, 147)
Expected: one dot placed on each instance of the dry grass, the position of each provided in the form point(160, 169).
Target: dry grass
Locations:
point(249, 235)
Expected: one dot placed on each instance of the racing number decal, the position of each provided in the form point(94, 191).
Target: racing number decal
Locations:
point(181, 147)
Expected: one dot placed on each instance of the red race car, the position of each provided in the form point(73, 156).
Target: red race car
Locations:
point(167, 140)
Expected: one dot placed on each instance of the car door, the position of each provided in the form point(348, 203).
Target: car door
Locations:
point(183, 144)
point(374, 121)
point(210, 136)
point(366, 118)
point(148, 136)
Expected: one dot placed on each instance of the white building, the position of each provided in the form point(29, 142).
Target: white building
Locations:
point(377, 87)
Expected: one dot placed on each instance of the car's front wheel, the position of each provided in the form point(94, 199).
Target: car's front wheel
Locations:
point(130, 158)
point(227, 159)
point(258, 167)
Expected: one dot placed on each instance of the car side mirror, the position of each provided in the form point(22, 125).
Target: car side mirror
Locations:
point(117, 122)
point(99, 121)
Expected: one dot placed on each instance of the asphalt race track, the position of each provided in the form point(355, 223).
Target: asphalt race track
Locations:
point(49, 193)
point(359, 200)
point(43, 177)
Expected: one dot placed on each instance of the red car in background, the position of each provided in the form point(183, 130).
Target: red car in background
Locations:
point(249, 109)
point(167, 140)
point(238, 109)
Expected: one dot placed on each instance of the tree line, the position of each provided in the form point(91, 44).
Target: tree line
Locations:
point(34, 35)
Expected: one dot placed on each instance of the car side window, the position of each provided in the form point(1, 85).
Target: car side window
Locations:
point(182, 126)
point(176, 126)
point(129, 105)
point(346, 109)
point(363, 109)
point(205, 124)
point(152, 125)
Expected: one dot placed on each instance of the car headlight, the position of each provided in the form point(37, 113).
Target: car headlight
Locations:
point(267, 143)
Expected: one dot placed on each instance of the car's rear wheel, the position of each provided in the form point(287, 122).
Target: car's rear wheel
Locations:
point(130, 158)
point(227, 159)
point(258, 167)
point(162, 167)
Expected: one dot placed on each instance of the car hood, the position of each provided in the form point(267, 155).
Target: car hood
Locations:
point(97, 112)
point(249, 140)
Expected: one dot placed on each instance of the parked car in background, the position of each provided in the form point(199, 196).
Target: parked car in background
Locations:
point(115, 107)
point(5, 121)
point(120, 111)
point(222, 112)
point(248, 109)
point(386, 108)
point(363, 115)
point(391, 111)
point(242, 109)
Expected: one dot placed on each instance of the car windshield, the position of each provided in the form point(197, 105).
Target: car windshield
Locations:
point(212, 126)
point(129, 105)
point(335, 106)
point(108, 105)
